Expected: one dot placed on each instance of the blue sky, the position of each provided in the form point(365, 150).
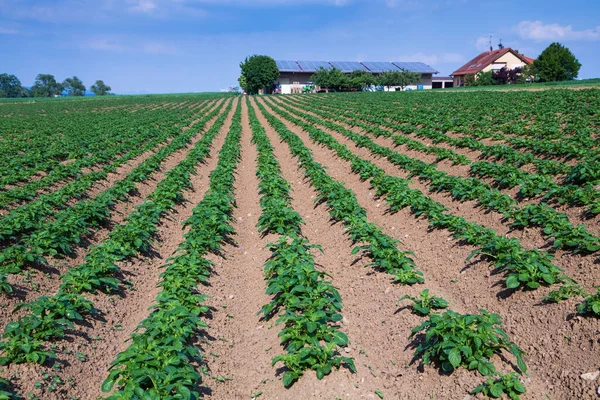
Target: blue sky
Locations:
point(164, 46)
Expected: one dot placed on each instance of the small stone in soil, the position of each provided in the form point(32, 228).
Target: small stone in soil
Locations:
point(590, 376)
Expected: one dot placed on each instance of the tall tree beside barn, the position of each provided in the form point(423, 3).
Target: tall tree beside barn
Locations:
point(401, 78)
point(361, 79)
point(258, 72)
point(333, 79)
point(556, 63)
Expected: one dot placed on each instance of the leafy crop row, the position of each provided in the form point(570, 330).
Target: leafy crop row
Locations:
point(57, 237)
point(30, 216)
point(308, 305)
point(454, 340)
point(50, 317)
point(554, 224)
point(578, 189)
point(124, 145)
point(343, 206)
point(55, 143)
point(528, 269)
point(512, 118)
point(159, 362)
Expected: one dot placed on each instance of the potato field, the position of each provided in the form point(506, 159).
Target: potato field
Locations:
point(415, 245)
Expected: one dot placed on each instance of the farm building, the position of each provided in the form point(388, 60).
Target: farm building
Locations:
point(442, 82)
point(492, 60)
point(294, 75)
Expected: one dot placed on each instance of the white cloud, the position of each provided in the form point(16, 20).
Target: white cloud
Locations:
point(104, 44)
point(433, 59)
point(122, 44)
point(143, 6)
point(482, 43)
point(8, 31)
point(539, 31)
point(158, 48)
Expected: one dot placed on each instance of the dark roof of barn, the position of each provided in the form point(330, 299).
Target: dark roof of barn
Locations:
point(349, 66)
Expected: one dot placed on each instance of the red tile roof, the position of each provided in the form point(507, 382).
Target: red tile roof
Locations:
point(528, 59)
point(486, 58)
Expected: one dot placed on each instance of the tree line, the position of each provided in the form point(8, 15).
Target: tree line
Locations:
point(46, 85)
point(335, 79)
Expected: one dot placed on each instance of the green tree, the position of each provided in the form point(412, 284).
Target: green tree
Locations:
point(361, 79)
point(402, 78)
point(407, 78)
point(259, 72)
point(46, 86)
point(74, 86)
point(556, 63)
point(10, 86)
point(243, 83)
point(484, 79)
point(100, 88)
point(333, 79)
point(527, 74)
point(469, 80)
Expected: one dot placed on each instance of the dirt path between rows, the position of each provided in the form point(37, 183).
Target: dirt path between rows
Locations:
point(99, 341)
point(576, 214)
point(377, 331)
point(579, 267)
point(559, 347)
point(239, 339)
point(46, 278)
point(61, 183)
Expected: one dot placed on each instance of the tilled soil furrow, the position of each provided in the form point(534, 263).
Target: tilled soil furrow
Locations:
point(46, 278)
point(576, 214)
point(239, 338)
point(100, 340)
point(580, 267)
point(536, 329)
point(379, 337)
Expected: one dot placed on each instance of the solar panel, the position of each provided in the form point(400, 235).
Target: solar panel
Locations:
point(414, 66)
point(313, 66)
point(376, 66)
point(347, 66)
point(287, 66)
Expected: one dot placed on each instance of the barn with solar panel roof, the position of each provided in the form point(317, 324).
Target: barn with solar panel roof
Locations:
point(295, 75)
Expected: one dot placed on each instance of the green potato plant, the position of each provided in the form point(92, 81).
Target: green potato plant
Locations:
point(425, 304)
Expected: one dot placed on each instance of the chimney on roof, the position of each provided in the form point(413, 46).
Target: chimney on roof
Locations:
point(500, 45)
point(491, 48)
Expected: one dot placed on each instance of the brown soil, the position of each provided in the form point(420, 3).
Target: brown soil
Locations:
point(59, 184)
point(45, 279)
point(560, 346)
point(554, 369)
point(577, 215)
point(101, 339)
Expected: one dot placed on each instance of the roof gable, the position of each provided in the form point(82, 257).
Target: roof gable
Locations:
point(486, 58)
